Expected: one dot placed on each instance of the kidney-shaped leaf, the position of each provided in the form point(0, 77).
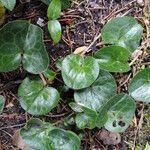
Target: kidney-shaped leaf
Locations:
point(22, 42)
point(139, 87)
point(79, 72)
point(86, 119)
point(2, 102)
point(120, 111)
point(64, 140)
point(123, 31)
point(36, 99)
point(113, 59)
point(98, 93)
point(43, 136)
point(54, 9)
point(9, 4)
point(54, 28)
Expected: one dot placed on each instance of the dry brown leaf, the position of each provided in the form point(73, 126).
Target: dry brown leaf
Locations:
point(18, 141)
point(80, 50)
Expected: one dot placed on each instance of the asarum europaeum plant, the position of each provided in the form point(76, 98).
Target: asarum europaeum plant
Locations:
point(96, 101)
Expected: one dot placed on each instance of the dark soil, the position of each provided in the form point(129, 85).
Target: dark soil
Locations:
point(80, 23)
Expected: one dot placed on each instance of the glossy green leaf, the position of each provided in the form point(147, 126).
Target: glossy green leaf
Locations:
point(77, 107)
point(9, 4)
point(98, 93)
point(40, 135)
point(59, 63)
point(36, 99)
point(86, 119)
point(79, 72)
point(64, 140)
point(139, 88)
point(54, 10)
point(64, 3)
point(123, 31)
point(2, 102)
point(119, 112)
point(35, 134)
point(49, 74)
point(113, 59)
point(54, 29)
point(22, 43)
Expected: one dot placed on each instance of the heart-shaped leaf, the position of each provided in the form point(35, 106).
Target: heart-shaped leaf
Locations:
point(9, 4)
point(85, 117)
point(54, 10)
point(35, 134)
point(43, 136)
point(54, 28)
point(36, 99)
point(2, 102)
point(79, 72)
point(64, 140)
point(98, 93)
point(119, 112)
point(123, 31)
point(22, 42)
point(139, 88)
point(113, 59)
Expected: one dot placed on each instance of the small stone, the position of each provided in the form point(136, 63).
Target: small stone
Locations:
point(40, 22)
point(140, 3)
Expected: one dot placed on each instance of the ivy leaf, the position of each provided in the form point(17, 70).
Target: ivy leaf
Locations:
point(113, 59)
point(2, 103)
point(123, 31)
point(43, 136)
point(22, 42)
point(54, 10)
point(119, 112)
point(9, 4)
point(139, 88)
point(98, 93)
point(54, 29)
point(36, 99)
point(79, 72)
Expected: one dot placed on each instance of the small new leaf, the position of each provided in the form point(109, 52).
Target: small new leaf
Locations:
point(54, 10)
point(54, 29)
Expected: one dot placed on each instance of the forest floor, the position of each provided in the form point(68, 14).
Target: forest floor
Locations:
point(81, 23)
